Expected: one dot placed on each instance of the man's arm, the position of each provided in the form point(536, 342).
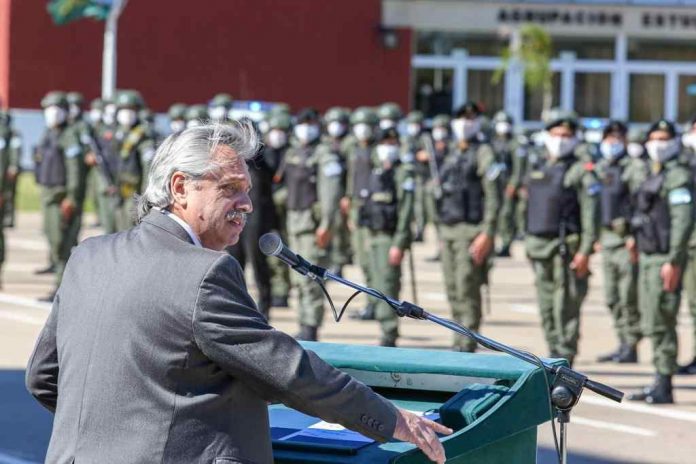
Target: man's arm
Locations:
point(42, 371)
point(234, 335)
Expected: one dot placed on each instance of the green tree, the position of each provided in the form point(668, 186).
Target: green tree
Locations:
point(533, 49)
point(64, 11)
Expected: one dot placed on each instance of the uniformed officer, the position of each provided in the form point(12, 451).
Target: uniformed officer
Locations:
point(177, 117)
point(412, 145)
point(60, 172)
point(389, 115)
point(387, 211)
point(359, 166)
point(196, 115)
point(510, 155)
point(689, 159)
point(136, 149)
point(313, 181)
point(337, 124)
point(147, 119)
point(11, 144)
point(467, 211)
point(663, 222)
point(620, 175)
point(561, 231)
point(219, 107)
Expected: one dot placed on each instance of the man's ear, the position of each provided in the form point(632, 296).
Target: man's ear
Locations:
point(179, 188)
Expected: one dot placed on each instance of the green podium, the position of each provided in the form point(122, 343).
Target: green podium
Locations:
point(493, 402)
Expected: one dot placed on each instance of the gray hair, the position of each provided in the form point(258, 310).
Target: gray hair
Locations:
point(192, 152)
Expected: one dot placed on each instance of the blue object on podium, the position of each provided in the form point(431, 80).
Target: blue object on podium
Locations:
point(493, 402)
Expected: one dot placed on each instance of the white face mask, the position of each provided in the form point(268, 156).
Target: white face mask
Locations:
point(387, 153)
point(689, 140)
point(277, 138)
point(611, 150)
point(465, 129)
point(560, 147)
point(635, 150)
point(126, 117)
point(54, 116)
point(306, 133)
point(413, 129)
point(177, 125)
point(218, 113)
point(74, 112)
point(439, 134)
point(193, 123)
point(362, 132)
point(264, 127)
point(336, 129)
point(95, 116)
point(661, 151)
point(109, 114)
point(503, 128)
point(385, 124)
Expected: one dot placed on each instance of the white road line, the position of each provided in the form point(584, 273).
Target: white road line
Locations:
point(23, 301)
point(7, 459)
point(12, 316)
point(526, 309)
point(612, 426)
point(641, 408)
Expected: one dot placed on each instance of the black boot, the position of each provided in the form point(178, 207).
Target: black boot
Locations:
point(611, 357)
point(307, 333)
point(365, 314)
point(279, 302)
point(387, 340)
point(51, 269)
point(627, 355)
point(660, 392)
point(504, 251)
point(689, 369)
point(49, 298)
point(418, 237)
point(433, 259)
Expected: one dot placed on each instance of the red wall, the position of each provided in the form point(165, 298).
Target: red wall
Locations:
point(4, 51)
point(303, 52)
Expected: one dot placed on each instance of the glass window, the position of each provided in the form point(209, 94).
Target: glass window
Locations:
point(480, 88)
point(433, 90)
point(593, 95)
point(687, 98)
point(442, 43)
point(664, 50)
point(646, 97)
point(598, 48)
point(534, 101)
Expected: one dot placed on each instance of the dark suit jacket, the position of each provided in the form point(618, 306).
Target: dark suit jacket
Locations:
point(154, 353)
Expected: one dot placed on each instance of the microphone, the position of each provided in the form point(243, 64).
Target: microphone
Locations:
point(271, 244)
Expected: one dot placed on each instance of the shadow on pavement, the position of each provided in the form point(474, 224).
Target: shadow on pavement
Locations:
point(549, 456)
point(25, 426)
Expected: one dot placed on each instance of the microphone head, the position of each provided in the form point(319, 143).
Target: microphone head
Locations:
point(270, 244)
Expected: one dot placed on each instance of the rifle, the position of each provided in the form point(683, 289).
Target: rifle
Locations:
point(432, 164)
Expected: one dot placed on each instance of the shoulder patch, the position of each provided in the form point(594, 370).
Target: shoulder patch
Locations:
point(407, 157)
point(73, 151)
point(3, 144)
point(679, 196)
point(148, 154)
point(594, 189)
point(332, 169)
point(408, 185)
point(520, 152)
point(493, 172)
point(85, 139)
point(16, 142)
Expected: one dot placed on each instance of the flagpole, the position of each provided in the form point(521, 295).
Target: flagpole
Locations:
point(109, 57)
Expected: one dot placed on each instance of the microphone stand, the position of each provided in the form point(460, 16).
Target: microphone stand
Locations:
point(567, 386)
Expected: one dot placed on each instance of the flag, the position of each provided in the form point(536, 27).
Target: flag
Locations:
point(64, 11)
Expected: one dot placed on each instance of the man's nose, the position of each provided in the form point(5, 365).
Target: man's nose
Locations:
point(245, 204)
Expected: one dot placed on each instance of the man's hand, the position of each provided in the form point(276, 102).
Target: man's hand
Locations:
point(344, 206)
point(422, 433)
point(581, 265)
point(632, 248)
point(12, 173)
point(91, 159)
point(67, 208)
point(670, 274)
point(422, 156)
point(480, 248)
point(396, 254)
point(322, 237)
point(510, 191)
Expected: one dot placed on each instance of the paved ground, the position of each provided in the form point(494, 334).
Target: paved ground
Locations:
point(601, 432)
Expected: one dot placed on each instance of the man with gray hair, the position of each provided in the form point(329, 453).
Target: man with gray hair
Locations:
point(154, 351)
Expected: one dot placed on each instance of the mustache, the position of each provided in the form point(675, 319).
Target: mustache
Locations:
point(237, 216)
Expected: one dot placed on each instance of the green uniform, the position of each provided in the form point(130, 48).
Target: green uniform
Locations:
point(690, 271)
point(61, 173)
point(563, 222)
point(386, 213)
point(663, 241)
point(341, 253)
point(136, 150)
point(8, 162)
point(280, 273)
point(511, 155)
point(620, 178)
point(468, 207)
point(313, 181)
